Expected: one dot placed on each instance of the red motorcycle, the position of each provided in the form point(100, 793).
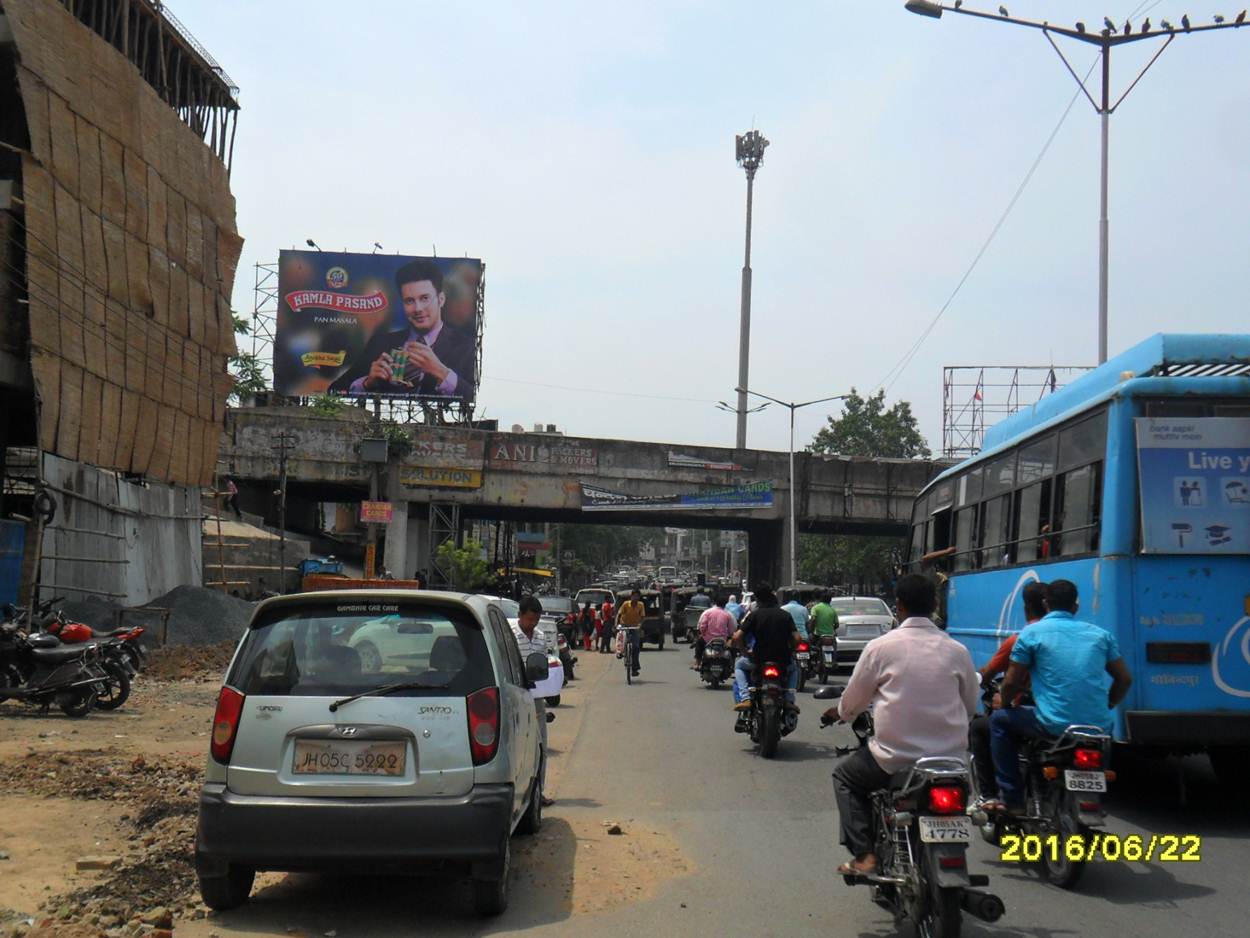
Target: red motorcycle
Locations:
point(77, 633)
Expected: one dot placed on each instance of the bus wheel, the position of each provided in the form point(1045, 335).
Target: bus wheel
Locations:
point(1231, 764)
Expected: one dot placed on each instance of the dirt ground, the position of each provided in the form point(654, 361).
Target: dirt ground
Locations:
point(124, 785)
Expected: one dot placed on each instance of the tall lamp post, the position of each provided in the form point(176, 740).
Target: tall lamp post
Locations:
point(1104, 39)
point(792, 407)
point(749, 148)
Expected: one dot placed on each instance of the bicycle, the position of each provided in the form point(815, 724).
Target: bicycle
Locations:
point(627, 652)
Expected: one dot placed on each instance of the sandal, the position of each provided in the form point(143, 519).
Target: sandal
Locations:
point(856, 868)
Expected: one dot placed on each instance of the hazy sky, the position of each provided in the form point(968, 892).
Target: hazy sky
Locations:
point(584, 150)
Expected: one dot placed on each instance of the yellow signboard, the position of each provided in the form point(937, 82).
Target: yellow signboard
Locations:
point(435, 476)
point(327, 359)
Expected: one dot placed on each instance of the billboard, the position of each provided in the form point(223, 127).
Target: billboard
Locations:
point(388, 325)
point(750, 496)
point(1195, 484)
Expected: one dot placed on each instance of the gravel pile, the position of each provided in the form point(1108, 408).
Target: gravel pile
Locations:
point(201, 616)
point(98, 613)
point(189, 662)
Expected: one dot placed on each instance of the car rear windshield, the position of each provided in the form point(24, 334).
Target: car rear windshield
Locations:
point(556, 604)
point(594, 597)
point(860, 607)
point(343, 649)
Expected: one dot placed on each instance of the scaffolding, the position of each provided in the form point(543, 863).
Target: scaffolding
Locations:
point(975, 397)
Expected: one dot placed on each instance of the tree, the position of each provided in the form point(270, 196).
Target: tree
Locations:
point(464, 566)
point(600, 545)
point(864, 428)
point(249, 376)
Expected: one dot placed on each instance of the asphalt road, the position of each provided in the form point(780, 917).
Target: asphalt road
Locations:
point(757, 840)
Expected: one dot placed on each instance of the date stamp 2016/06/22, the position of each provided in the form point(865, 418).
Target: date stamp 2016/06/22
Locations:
point(1134, 848)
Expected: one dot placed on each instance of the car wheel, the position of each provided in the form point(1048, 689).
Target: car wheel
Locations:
point(532, 820)
point(227, 892)
point(370, 657)
point(490, 896)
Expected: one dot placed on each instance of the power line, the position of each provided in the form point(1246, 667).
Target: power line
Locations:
point(896, 372)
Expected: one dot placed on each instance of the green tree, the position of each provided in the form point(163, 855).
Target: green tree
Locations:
point(242, 325)
point(326, 405)
point(249, 376)
point(601, 545)
point(464, 566)
point(864, 428)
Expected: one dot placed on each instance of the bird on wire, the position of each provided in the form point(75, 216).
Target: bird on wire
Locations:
point(1241, 18)
point(1218, 19)
point(1002, 11)
point(958, 4)
point(1185, 22)
point(1128, 28)
point(1166, 25)
point(1145, 27)
point(1106, 21)
point(1080, 28)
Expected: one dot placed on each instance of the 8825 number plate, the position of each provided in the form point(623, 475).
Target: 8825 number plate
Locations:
point(349, 758)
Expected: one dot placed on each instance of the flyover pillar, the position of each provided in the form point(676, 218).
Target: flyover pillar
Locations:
point(765, 553)
point(396, 549)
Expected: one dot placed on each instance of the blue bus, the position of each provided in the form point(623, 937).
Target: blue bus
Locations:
point(1133, 482)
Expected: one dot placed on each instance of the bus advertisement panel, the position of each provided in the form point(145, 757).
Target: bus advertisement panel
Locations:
point(1195, 484)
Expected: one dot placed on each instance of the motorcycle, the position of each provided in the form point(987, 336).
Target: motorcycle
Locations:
point(827, 660)
point(73, 633)
point(567, 658)
point(717, 665)
point(40, 670)
point(771, 716)
point(921, 836)
point(1064, 781)
point(805, 661)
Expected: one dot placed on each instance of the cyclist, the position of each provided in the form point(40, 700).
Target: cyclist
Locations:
point(629, 620)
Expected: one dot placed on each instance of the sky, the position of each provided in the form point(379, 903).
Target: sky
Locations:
point(585, 151)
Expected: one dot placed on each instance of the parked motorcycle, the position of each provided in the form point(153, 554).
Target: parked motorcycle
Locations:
point(567, 658)
point(718, 663)
point(921, 836)
point(73, 633)
point(40, 670)
point(827, 659)
point(771, 716)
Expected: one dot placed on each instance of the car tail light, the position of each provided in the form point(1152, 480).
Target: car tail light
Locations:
point(946, 799)
point(803, 646)
point(1087, 759)
point(226, 723)
point(483, 724)
point(771, 671)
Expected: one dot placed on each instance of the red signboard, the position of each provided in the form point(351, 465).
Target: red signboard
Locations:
point(376, 512)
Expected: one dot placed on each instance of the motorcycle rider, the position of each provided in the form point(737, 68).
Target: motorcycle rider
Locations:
point(1034, 596)
point(800, 615)
point(771, 636)
point(1067, 660)
point(922, 688)
point(715, 623)
point(824, 620)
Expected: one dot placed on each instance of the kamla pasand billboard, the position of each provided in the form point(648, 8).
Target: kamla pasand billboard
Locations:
point(377, 324)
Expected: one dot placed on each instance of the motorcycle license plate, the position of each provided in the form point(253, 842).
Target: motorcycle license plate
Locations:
point(1084, 781)
point(348, 758)
point(945, 830)
point(803, 656)
point(828, 657)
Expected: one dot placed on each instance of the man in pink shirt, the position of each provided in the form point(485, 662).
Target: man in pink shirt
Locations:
point(923, 689)
point(716, 622)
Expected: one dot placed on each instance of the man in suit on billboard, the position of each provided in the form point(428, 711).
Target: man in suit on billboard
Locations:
point(427, 358)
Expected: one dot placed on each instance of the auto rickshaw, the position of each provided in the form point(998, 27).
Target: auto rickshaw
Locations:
point(653, 623)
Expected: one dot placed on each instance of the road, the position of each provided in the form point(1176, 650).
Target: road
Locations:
point(717, 839)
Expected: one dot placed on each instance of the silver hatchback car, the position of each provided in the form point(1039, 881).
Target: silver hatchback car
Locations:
point(371, 731)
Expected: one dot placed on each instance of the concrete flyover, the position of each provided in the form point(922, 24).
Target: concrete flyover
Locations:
point(450, 474)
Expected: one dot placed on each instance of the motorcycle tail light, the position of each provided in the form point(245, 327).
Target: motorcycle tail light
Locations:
point(772, 671)
point(1087, 759)
point(946, 799)
point(226, 723)
point(1091, 806)
point(1110, 775)
point(952, 863)
point(1050, 772)
point(803, 646)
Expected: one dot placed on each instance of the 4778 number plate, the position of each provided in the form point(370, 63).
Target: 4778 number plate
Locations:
point(945, 830)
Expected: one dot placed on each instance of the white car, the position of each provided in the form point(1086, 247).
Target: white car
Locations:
point(365, 731)
point(549, 689)
point(860, 620)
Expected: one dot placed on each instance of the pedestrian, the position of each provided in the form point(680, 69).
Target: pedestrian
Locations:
point(531, 640)
point(607, 614)
point(586, 625)
point(420, 580)
point(232, 498)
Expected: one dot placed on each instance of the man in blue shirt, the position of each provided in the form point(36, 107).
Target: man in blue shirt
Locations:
point(800, 615)
point(1068, 661)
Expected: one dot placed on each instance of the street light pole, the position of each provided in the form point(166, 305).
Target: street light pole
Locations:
point(749, 149)
point(792, 407)
point(1104, 39)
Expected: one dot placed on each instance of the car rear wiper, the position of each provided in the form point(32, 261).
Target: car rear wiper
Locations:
point(386, 689)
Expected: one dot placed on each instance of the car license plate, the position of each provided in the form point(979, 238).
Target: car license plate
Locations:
point(804, 656)
point(349, 758)
point(945, 830)
point(1084, 781)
